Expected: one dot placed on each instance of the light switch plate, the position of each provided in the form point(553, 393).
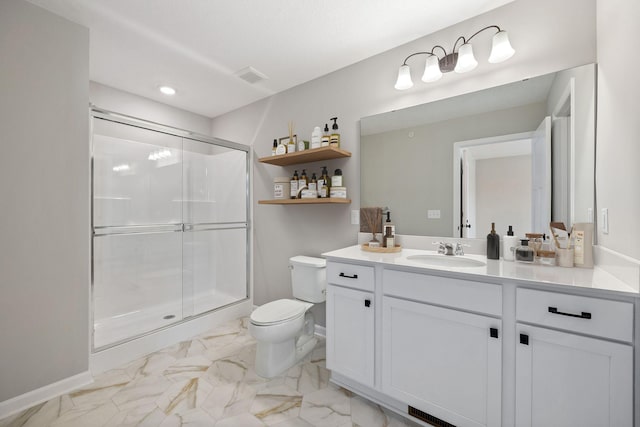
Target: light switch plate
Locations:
point(433, 214)
point(590, 215)
point(605, 220)
point(355, 217)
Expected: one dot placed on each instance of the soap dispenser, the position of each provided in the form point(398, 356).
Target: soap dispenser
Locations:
point(493, 243)
point(325, 136)
point(510, 244)
point(334, 138)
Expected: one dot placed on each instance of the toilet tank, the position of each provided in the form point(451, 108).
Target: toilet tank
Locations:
point(308, 278)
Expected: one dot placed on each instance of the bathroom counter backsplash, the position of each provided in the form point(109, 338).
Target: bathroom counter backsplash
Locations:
point(586, 278)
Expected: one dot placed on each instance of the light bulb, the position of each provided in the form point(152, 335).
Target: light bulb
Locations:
point(501, 49)
point(167, 90)
point(432, 69)
point(466, 60)
point(404, 78)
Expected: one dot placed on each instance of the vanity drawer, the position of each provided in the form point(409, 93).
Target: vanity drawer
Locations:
point(350, 275)
point(463, 294)
point(592, 316)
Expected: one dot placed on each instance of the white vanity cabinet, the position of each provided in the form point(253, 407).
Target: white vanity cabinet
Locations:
point(483, 347)
point(441, 359)
point(350, 321)
point(564, 378)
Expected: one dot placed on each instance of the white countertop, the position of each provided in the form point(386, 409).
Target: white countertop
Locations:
point(583, 278)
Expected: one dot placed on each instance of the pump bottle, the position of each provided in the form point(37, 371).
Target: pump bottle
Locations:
point(493, 243)
point(334, 138)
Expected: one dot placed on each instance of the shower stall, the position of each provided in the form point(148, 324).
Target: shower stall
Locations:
point(170, 227)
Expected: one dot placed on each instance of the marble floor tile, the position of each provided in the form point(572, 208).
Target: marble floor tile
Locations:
point(277, 404)
point(40, 415)
point(210, 381)
point(184, 396)
point(148, 415)
point(141, 392)
point(229, 400)
point(329, 407)
point(103, 387)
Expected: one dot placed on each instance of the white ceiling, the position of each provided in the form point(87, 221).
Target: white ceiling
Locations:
point(196, 46)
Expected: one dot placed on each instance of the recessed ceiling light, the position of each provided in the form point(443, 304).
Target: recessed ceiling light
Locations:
point(167, 90)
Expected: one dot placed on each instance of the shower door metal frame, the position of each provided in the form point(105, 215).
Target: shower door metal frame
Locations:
point(111, 116)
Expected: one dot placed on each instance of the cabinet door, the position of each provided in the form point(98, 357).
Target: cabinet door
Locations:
point(444, 362)
point(566, 380)
point(350, 326)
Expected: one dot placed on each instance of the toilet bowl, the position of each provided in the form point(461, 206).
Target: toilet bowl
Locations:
point(284, 329)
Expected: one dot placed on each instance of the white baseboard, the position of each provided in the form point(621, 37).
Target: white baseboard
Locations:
point(119, 355)
point(42, 394)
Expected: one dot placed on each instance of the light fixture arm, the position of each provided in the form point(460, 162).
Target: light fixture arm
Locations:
point(425, 53)
point(479, 31)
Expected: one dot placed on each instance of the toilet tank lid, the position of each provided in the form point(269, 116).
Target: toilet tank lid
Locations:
point(308, 261)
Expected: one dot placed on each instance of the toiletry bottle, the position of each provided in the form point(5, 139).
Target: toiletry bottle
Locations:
point(583, 244)
point(323, 183)
point(493, 243)
point(291, 146)
point(334, 138)
point(316, 137)
point(510, 243)
point(313, 184)
point(282, 149)
point(524, 252)
point(302, 146)
point(388, 223)
point(294, 185)
point(336, 179)
point(389, 238)
point(325, 136)
point(275, 147)
point(302, 182)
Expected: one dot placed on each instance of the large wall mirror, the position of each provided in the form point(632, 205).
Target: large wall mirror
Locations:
point(521, 154)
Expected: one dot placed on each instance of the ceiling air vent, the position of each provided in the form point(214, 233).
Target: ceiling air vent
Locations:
point(250, 75)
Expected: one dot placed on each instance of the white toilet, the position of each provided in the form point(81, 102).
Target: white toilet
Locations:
point(284, 329)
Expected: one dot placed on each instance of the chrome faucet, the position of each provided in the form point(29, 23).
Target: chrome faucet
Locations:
point(446, 248)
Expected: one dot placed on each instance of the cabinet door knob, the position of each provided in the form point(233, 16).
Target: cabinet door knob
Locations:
point(355, 276)
point(493, 332)
point(367, 303)
point(524, 339)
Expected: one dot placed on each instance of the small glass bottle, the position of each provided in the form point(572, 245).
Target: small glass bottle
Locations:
point(525, 253)
point(294, 185)
point(303, 179)
point(275, 147)
point(313, 184)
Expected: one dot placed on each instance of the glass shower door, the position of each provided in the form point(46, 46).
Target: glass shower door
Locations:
point(137, 219)
point(215, 224)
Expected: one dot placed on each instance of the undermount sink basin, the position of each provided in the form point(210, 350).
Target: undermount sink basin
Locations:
point(446, 261)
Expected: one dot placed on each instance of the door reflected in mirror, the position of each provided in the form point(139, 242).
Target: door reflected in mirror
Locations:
point(521, 154)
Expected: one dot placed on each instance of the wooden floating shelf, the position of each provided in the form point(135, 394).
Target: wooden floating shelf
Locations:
point(306, 156)
point(304, 201)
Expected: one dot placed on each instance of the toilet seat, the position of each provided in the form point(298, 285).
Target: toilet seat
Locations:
point(278, 311)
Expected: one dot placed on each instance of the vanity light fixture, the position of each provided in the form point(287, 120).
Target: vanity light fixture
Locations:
point(460, 60)
point(167, 90)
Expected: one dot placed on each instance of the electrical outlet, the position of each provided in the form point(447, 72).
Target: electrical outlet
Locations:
point(355, 217)
point(605, 220)
point(433, 214)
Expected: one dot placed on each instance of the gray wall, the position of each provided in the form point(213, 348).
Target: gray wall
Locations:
point(618, 147)
point(544, 42)
point(44, 188)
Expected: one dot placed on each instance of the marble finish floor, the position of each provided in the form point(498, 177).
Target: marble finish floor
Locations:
point(210, 381)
